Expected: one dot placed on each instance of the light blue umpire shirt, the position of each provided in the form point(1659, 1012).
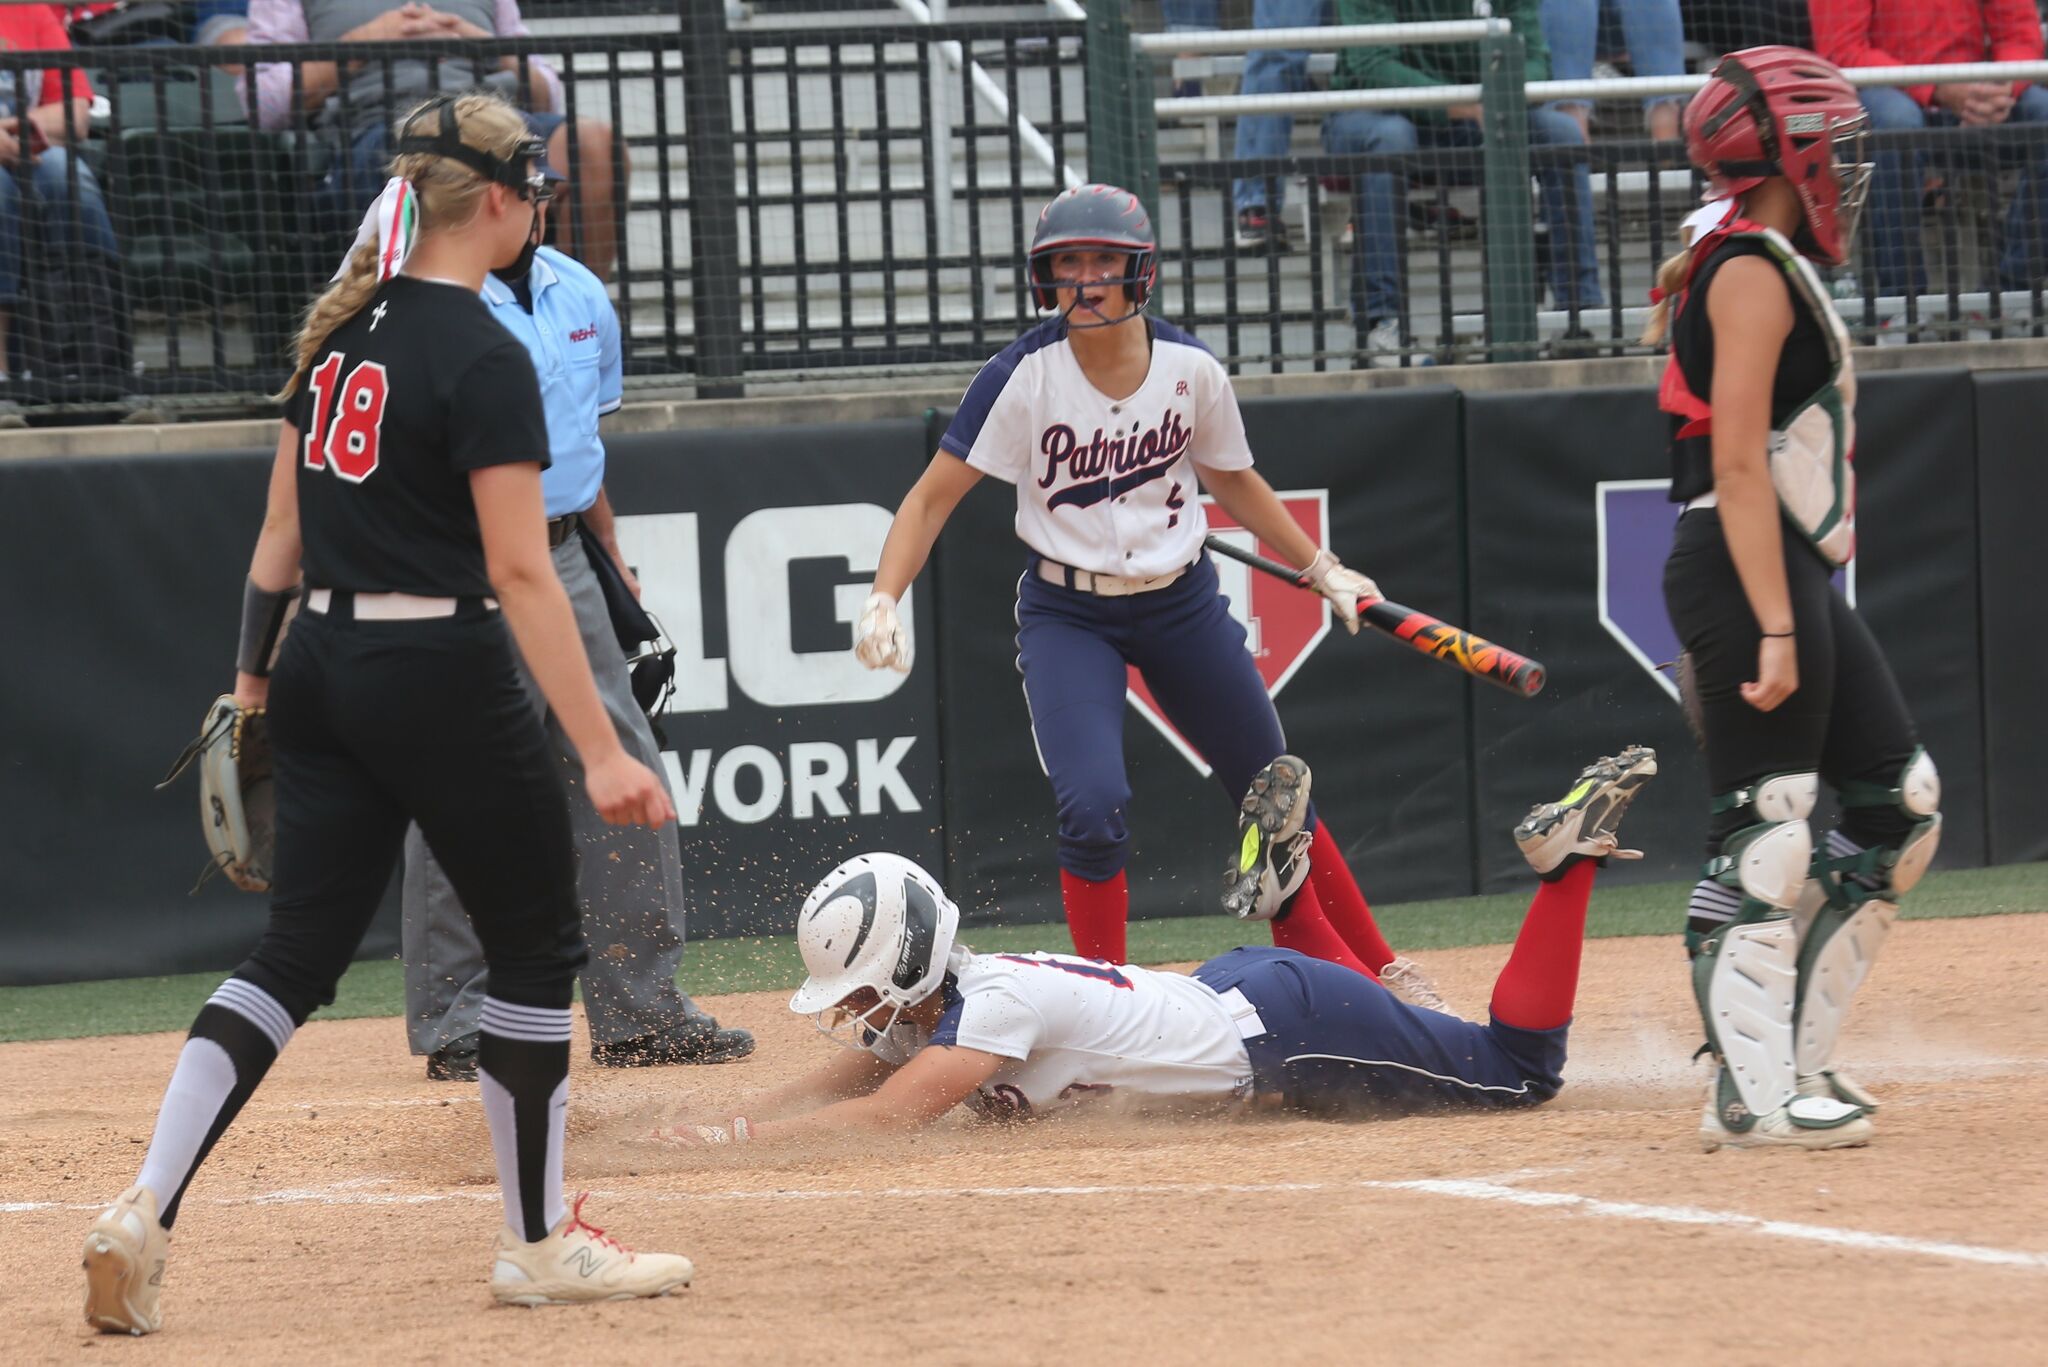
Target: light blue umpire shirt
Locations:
point(573, 336)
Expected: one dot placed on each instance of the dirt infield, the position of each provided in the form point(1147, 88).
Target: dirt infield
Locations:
point(348, 1216)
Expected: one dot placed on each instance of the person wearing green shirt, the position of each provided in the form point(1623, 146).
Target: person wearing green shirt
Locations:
point(1566, 204)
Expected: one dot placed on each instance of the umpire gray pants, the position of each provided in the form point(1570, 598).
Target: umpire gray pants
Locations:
point(629, 879)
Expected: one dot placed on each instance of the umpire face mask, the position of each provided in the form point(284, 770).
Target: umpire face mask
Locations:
point(523, 262)
point(539, 190)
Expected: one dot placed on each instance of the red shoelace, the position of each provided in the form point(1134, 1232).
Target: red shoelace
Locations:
point(576, 1222)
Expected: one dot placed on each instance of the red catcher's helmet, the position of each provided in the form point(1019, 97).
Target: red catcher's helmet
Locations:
point(1094, 216)
point(1782, 111)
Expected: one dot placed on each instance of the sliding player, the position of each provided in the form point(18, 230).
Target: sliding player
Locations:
point(930, 1024)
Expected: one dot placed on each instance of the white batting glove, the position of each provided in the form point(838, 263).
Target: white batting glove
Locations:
point(1343, 587)
point(695, 1136)
point(880, 639)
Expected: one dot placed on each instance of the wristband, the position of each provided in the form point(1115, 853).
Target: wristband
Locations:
point(1778, 635)
point(265, 613)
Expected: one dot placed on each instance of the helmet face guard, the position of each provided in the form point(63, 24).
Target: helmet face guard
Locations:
point(1782, 111)
point(878, 922)
point(1140, 269)
point(1093, 218)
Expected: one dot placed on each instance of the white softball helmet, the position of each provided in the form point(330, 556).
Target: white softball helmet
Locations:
point(877, 921)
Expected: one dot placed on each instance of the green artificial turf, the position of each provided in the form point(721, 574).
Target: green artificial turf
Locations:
point(714, 967)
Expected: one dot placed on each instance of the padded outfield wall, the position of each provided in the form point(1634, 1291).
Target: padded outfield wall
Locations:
point(1531, 517)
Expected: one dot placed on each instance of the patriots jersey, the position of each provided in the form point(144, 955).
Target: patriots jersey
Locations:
point(1105, 485)
point(1067, 1028)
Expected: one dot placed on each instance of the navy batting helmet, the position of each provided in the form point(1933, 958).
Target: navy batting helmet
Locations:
point(1094, 216)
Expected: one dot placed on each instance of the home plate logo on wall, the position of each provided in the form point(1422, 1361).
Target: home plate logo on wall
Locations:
point(1282, 624)
point(1636, 518)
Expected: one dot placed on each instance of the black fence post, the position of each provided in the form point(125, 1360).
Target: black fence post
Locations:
point(714, 202)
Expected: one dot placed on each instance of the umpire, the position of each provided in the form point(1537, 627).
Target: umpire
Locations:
point(630, 878)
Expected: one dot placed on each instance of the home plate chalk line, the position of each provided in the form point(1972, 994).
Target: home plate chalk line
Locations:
point(363, 1192)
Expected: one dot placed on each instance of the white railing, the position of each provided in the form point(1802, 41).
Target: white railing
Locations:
point(990, 93)
point(1327, 38)
point(1444, 96)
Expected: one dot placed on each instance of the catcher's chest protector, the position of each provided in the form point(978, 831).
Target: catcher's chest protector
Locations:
point(1813, 449)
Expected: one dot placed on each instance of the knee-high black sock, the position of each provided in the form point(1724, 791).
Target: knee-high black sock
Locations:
point(523, 1060)
point(236, 1037)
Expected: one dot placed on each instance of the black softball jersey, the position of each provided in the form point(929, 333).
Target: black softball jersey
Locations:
point(403, 401)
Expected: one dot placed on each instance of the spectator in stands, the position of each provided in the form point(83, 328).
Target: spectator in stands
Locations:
point(1381, 219)
point(1190, 16)
point(357, 107)
point(1259, 199)
point(1656, 47)
point(41, 114)
point(1853, 33)
point(220, 23)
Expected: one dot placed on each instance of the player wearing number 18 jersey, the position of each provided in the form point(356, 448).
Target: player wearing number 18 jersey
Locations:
point(405, 500)
point(1110, 424)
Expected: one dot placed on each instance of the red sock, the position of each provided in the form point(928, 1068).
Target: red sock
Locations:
point(1535, 990)
point(1096, 915)
point(1306, 930)
point(1344, 904)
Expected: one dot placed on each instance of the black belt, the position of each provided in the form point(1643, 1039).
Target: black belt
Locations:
point(560, 529)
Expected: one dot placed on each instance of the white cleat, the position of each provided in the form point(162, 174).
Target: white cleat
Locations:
point(1808, 1122)
point(1833, 1084)
point(1582, 825)
point(578, 1263)
point(1406, 980)
point(124, 1266)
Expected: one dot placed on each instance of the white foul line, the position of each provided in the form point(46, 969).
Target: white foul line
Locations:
point(1749, 1224)
point(352, 1194)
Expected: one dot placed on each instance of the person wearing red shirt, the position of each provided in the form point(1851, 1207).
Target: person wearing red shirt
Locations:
point(40, 113)
point(1853, 33)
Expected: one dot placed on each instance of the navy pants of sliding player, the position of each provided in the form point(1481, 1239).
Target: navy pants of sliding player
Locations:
point(1072, 649)
point(1334, 1040)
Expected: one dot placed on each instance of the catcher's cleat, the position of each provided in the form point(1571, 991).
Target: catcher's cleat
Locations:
point(1809, 1122)
point(1835, 1085)
point(578, 1263)
point(124, 1266)
point(1581, 825)
point(1272, 846)
point(1406, 980)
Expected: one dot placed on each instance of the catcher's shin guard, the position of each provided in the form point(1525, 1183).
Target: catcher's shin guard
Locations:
point(1858, 900)
point(1745, 974)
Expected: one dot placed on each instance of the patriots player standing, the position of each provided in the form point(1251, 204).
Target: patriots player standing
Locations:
point(1110, 423)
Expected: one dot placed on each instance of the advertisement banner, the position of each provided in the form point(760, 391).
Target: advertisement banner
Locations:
point(2012, 560)
point(1569, 528)
point(120, 587)
point(755, 550)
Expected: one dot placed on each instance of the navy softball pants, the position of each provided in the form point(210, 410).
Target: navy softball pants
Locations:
point(1336, 1041)
point(1072, 649)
